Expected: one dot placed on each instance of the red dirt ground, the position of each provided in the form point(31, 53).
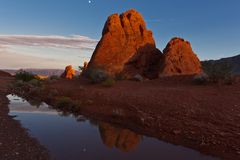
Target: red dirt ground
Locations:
point(203, 117)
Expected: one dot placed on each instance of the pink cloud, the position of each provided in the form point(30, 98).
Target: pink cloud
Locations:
point(53, 41)
point(9, 60)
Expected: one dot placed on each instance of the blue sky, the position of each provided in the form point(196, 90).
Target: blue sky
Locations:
point(212, 26)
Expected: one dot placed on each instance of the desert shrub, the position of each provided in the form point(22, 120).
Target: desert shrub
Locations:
point(66, 103)
point(19, 83)
point(34, 91)
point(35, 82)
point(53, 92)
point(96, 75)
point(217, 72)
point(24, 76)
point(54, 77)
point(200, 79)
point(120, 76)
point(35, 102)
point(109, 82)
point(229, 80)
point(81, 68)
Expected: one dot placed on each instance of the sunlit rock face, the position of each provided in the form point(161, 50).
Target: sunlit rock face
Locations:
point(68, 73)
point(123, 139)
point(126, 47)
point(179, 59)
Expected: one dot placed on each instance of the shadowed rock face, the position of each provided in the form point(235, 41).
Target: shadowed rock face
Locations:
point(68, 73)
point(123, 139)
point(126, 47)
point(179, 59)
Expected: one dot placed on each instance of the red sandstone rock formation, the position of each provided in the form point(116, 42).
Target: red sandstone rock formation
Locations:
point(68, 73)
point(126, 47)
point(179, 59)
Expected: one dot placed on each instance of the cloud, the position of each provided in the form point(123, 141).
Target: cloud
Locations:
point(9, 60)
point(52, 41)
point(2, 47)
point(52, 51)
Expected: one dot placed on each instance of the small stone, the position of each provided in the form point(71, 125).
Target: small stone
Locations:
point(138, 78)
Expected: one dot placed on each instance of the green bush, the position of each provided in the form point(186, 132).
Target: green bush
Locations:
point(96, 75)
point(24, 76)
point(19, 83)
point(53, 92)
point(66, 103)
point(35, 102)
point(200, 79)
point(35, 82)
point(54, 77)
point(120, 76)
point(109, 82)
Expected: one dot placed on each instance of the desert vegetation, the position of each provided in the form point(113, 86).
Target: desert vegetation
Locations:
point(25, 76)
point(67, 104)
point(109, 82)
point(96, 75)
point(220, 73)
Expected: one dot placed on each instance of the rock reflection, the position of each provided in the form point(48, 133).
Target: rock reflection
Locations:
point(123, 139)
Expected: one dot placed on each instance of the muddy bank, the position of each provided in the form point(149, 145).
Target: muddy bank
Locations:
point(15, 143)
point(202, 117)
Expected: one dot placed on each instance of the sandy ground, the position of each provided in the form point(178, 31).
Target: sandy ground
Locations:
point(15, 143)
point(202, 117)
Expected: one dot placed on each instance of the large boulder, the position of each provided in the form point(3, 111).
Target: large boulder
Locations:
point(68, 73)
point(126, 47)
point(179, 59)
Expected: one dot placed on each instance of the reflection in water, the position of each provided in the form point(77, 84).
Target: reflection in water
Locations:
point(123, 139)
point(20, 105)
point(75, 138)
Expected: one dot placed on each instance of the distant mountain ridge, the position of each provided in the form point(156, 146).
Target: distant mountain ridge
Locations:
point(43, 72)
point(4, 74)
point(233, 61)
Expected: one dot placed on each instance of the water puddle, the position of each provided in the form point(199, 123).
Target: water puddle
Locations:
point(74, 138)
